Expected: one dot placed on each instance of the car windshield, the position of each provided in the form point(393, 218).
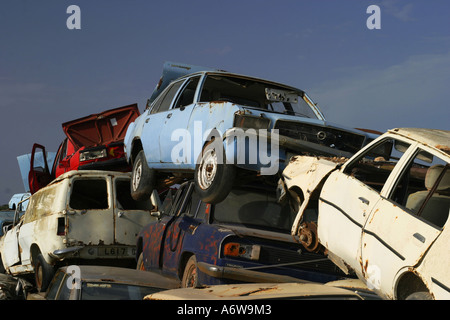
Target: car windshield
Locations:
point(114, 291)
point(254, 209)
point(258, 94)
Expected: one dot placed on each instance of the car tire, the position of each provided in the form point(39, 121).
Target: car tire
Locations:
point(43, 273)
point(142, 178)
point(421, 295)
point(213, 180)
point(140, 262)
point(190, 274)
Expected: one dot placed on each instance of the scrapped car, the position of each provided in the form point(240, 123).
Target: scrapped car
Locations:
point(382, 214)
point(82, 282)
point(19, 198)
point(200, 123)
point(94, 142)
point(257, 291)
point(6, 220)
point(85, 216)
point(205, 244)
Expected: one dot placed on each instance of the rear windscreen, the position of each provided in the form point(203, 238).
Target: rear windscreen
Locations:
point(89, 194)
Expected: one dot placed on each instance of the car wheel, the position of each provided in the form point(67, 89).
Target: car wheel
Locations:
point(140, 262)
point(190, 275)
point(422, 295)
point(213, 176)
point(43, 273)
point(142, 178)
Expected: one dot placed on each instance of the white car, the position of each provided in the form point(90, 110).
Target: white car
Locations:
point(81, 216)
point(382, 214)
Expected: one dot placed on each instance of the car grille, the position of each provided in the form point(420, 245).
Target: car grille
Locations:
point(308, 261)
point(330, 137)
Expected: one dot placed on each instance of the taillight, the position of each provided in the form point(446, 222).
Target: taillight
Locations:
point(116, 152)
point(61, 229)
point(238, 250)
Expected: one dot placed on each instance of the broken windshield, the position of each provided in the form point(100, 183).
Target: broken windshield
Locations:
point(258, 94)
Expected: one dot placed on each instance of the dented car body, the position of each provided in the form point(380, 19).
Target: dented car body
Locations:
point(81, 215)
point(174, 132)
point(94, 142)
point(382, 214)
point(245, 238)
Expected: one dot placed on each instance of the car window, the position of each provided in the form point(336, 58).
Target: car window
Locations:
point(114, 291)
point(163, 103)
point(424, 188)
point(187, 95)
point(256, 94)
point(255, 209)
point(54, 285)
point(191, 208)
point(375, 165)
point(67, 291)
point(124, 201)
point(89, 194)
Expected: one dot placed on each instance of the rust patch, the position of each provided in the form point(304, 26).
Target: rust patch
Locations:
point(446, 149)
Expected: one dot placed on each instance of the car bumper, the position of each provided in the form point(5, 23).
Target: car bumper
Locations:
point(243, 275)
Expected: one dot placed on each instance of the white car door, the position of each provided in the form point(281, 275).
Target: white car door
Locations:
point(350, 194)
point(10, 253)
point(395, 236)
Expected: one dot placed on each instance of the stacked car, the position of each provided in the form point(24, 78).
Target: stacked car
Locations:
point(223, 179)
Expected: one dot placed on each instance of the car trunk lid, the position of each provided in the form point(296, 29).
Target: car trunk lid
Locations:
point(101, 128)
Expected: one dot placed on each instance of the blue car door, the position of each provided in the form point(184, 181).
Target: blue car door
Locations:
point(155, 121)
point(176, 140)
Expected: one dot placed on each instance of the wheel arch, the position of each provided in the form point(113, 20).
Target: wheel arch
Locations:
point(408, 283)
point(183, 261)
point(136, 147)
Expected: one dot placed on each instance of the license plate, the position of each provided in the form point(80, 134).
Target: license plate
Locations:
point(111, 252)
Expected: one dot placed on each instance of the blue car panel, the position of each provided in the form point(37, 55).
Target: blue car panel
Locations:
point(247, 230)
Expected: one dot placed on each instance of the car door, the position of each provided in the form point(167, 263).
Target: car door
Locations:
point(155, 234)
point(349, 196)
point(129, 216)
point(183, 223)
point(176, 138)
point(10, 252)
point(90, 210)
point(396, 234)
point(39, 175)
point(154, 122)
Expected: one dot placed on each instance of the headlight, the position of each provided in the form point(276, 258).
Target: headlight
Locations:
point(92, 154)
point(244, 121)
point(238, 250)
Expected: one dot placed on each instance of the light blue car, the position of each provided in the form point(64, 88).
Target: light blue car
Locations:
point(211, 124)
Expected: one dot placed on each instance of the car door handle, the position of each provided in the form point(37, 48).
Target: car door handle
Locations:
point(169, 115)
point(419, 237)
point(364, 200)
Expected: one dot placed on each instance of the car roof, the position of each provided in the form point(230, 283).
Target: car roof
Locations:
point(87, 173)
point(226, 73)
point(434, 138)
point(91, 273)
point(250, 291)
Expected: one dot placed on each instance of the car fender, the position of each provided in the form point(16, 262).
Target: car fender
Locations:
point(305, 174)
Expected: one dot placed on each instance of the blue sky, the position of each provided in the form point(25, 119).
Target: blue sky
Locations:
point(397, 76)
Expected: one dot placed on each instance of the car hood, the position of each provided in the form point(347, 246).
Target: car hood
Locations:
point(101, 128)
